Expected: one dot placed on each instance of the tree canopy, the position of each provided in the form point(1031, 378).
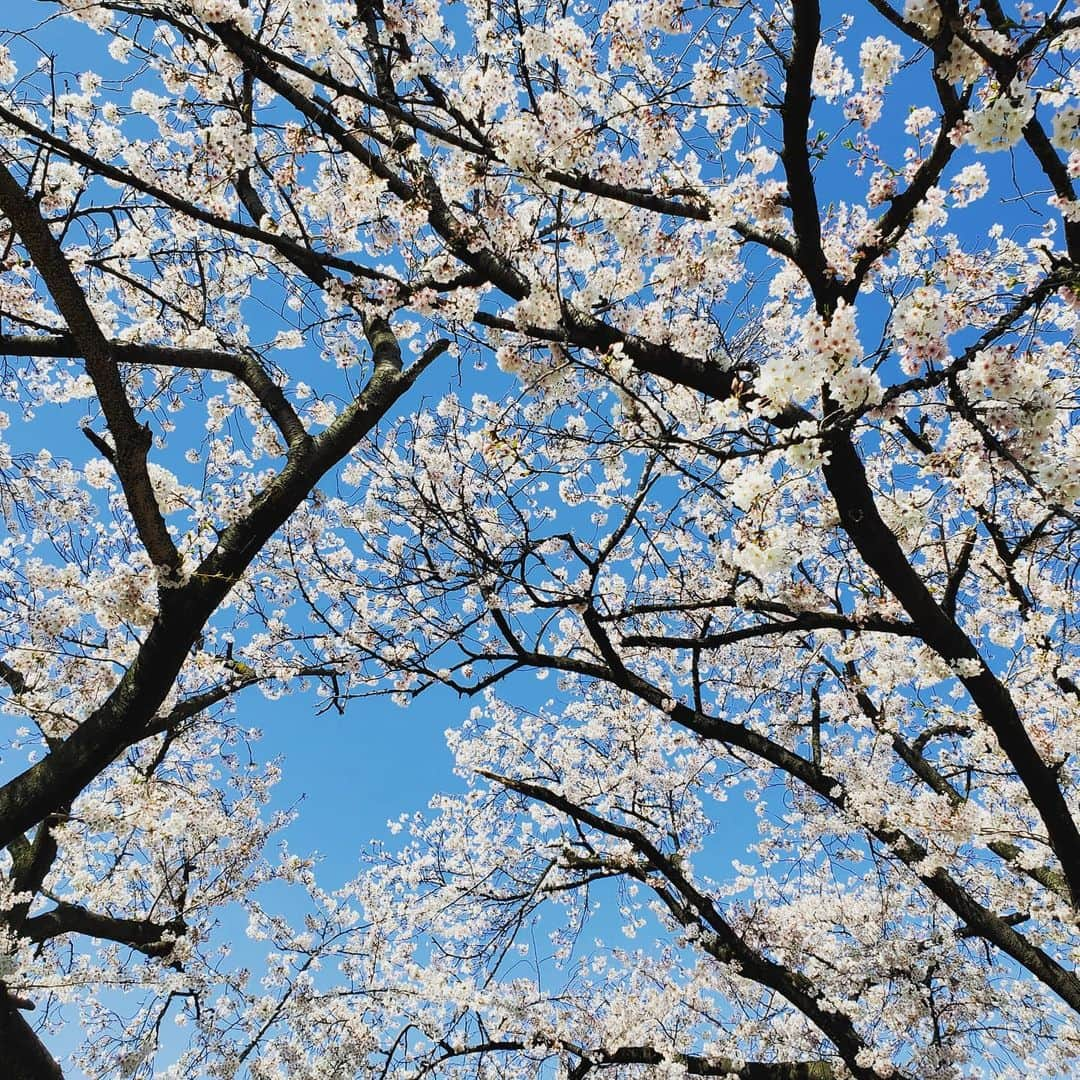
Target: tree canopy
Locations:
point(714, 360)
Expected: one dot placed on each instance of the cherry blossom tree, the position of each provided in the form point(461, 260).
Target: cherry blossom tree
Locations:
point(775, 484)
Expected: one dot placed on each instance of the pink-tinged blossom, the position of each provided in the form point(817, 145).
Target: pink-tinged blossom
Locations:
point(921, 325)
point(998, 125)
point(832, 79)
point(925, 14)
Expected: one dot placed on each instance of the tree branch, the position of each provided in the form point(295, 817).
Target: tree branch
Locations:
point(132, 439)
point(276, 242)
point(143, 935)
point(807, 620)
point(245, 368)
point(696, 1065)
point(846, 479)
point(122, 718)
point(730, 947)
point(912, 854)
point(795, 115)
point(25, 1056)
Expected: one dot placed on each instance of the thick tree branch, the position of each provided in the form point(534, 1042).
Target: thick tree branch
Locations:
point(31, 862)
point(875, 542)
point(696, 1065)
point(795, 114)
point(132, 439)
point(24, 1054)
point(912, 854)
point(246, 369)
point(690, 906)
point(807, 620)
point(590, 1060)
point(15, 679)
point(122, 718)
point(143, 935)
